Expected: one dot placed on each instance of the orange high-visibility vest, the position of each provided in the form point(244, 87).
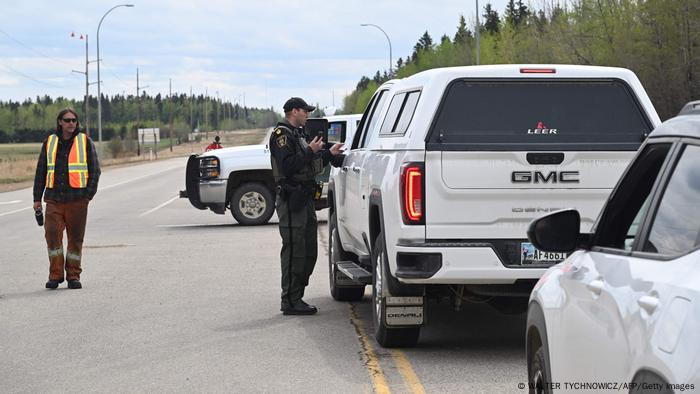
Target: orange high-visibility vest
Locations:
point(77, 161)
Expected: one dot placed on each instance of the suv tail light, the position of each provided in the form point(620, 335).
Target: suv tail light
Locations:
point(413, 193)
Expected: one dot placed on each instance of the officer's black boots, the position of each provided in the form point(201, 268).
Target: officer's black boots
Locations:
point(297, 308)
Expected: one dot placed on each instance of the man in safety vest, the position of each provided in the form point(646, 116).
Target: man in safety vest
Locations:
point(69, 170)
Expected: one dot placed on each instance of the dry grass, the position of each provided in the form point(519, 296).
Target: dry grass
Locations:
point(18, 161)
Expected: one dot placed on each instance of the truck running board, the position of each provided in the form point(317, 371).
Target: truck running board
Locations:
point(354, 272)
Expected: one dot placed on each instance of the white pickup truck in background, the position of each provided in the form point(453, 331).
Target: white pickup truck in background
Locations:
point(240, 178)
point(449, 166)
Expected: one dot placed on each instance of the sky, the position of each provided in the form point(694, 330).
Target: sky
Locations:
point(257, 53)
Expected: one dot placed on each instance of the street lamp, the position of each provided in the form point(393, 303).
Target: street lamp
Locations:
point(391, 72)
point(99, 81)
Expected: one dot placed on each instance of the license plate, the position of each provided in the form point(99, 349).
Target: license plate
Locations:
point(530, 255)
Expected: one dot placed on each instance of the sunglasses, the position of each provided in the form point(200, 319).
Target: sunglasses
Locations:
point(69, 120)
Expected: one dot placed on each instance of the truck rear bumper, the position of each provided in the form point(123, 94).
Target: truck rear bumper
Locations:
point(466, 265)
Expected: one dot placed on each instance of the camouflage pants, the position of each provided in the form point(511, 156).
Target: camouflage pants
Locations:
point(71, 217)
point(299, 247)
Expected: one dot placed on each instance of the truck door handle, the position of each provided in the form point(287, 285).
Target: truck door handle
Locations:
point(344, 168)
point(356, 169)
point(595, 286)
point(648, 303)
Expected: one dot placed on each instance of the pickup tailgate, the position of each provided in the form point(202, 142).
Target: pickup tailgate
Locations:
point(486, 195)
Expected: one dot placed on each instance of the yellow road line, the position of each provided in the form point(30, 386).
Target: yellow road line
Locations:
point(370, 357)
point(406, 370)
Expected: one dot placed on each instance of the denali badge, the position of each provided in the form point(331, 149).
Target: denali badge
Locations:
point(541, 177)
point(541, 129)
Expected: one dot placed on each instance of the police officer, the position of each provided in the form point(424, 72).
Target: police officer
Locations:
point(295, 164)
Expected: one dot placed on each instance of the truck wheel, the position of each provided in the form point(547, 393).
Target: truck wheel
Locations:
point(335, 254)
point(252, 204)
point(386, 336)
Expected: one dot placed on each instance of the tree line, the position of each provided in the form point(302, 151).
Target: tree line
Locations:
point(31, 120)
point(659, 40)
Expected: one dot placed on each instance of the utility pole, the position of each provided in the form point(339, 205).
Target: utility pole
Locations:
point(138, 112)
point(87, 84)
point(191, 120)
point(206, 112)
point(170, 111)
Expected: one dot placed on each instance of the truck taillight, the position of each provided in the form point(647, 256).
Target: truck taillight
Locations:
point(412, 193)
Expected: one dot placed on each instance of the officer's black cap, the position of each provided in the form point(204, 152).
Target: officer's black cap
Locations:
point(297, 102)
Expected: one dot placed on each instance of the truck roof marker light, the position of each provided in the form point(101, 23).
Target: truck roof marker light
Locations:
point(538, 70)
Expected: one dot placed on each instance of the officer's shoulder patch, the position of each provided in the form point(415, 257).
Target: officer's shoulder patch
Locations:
point(281, 140)
point(278, 131)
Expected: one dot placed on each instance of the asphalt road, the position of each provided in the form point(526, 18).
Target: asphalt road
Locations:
point(180, 300)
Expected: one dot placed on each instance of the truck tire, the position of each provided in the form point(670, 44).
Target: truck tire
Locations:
point(386, 336)
point(335, 254)
point(252, 204)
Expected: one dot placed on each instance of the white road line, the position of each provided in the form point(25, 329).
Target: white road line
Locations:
point(15, 211)
point(136, 179)
point(159, 206)
point(109, 187)
point(10, 202)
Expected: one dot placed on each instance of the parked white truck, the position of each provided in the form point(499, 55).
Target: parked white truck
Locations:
point(240, 178)
point(449, 166)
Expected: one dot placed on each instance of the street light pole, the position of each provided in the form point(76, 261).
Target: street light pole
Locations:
point(478, 28)
point(391, 62)
point(99, 81)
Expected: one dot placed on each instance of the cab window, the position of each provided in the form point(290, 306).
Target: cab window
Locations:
point(369, 119)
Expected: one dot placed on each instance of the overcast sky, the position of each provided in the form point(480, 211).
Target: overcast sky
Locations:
point(265, 50)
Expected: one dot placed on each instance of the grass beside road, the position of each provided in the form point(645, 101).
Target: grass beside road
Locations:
point(18, 161)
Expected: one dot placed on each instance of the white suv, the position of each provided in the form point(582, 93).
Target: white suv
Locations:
point(450, 165)
point(625, 308)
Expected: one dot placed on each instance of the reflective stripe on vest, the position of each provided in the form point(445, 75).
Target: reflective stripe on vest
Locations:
point(51, 147)
point(77, 161)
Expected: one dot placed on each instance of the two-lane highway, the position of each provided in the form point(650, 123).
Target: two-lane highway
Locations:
point(177, 299)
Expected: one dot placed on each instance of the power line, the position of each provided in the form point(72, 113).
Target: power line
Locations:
point(124, 84)
point(32, 49)
point(6, 67)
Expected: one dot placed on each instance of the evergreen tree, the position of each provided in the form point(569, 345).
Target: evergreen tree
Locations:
point(492, 22)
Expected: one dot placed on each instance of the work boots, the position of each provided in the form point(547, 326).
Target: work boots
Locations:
point(53, 284)
point(298, 307)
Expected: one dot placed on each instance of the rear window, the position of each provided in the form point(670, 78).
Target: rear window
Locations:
point(538, 115)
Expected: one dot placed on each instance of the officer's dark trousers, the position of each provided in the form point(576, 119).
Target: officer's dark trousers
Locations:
point(299, 248)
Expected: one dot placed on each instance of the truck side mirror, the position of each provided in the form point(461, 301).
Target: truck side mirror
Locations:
point(316, 127)
point(556, 232)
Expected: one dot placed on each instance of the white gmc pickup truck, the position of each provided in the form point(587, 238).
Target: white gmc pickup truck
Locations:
point(240, 178)
point(448, 167)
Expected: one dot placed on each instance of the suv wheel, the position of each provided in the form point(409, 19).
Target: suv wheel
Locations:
point(385, 336)
point(335, 254)
point(252, 204)
point(538, 378)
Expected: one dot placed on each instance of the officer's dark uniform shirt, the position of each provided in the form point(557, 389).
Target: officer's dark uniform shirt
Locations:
point(293, 156)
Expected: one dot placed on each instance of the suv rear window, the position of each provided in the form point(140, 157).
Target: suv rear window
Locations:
point(538, 115)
